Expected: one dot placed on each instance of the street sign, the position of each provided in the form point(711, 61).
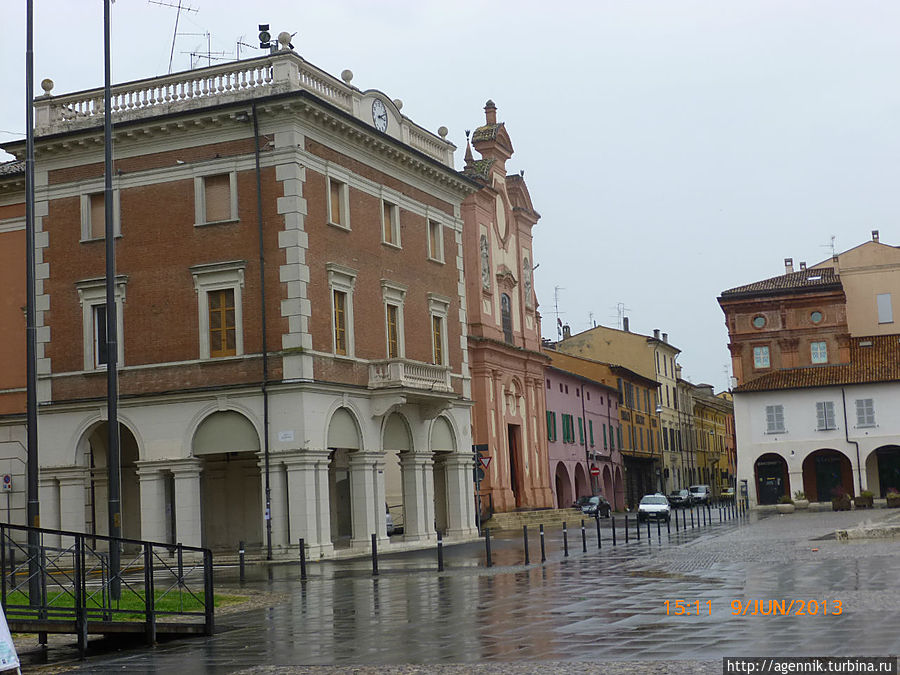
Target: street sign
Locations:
point(595, 470)
point(485, 462)
point(7, 483)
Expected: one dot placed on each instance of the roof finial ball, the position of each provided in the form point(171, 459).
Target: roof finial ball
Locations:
point(490, 112)
point(47, 86)
point(347, 75)
point(284, 40)
point(398, 103)
point(443, 131)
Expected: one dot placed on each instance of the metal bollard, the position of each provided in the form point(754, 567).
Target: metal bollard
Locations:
point(565, 540)
point(525, 537)
point(648, 530)
point(613, 522)
point(626, 528)
point(303, 560)
point(599, 542)
point(669, 525)
point(440, 547)
point(658, 530)
point(676, 520)
point(543, 549)
point(374, 555)
point(487, 546)
point(692, 517)
point(241, 557)
point(583, 538)
point(637, 526)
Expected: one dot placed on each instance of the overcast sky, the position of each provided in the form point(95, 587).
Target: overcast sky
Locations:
point(674, 148)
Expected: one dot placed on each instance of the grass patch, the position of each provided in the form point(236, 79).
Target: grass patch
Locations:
point(129, 607)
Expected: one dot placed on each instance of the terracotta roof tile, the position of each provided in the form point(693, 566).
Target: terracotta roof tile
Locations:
point(819, 277)
point(872, 359)
point(488, 132)
point(13, 167)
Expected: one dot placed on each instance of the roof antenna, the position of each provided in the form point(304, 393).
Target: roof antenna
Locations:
point(180, 7)
point(829, 245)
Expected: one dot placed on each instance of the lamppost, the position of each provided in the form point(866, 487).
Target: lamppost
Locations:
point(659, 445)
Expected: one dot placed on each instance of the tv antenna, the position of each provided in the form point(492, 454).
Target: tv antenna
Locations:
point(180, 7)
point(620, 314)
point(556, 311)
point(829, 245)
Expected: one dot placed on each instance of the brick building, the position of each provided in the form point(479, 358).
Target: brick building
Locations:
point(504, 326)
point(333, 236)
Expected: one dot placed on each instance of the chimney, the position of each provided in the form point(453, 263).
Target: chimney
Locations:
point(625, 324)
point(567, 332)
point(490, 112)
point(802, 266)
point(874, 235)
point(666, 338)
point(788, 265)
point(656, 333)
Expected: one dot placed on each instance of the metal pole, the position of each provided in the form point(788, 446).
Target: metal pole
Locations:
point(613, 519)
point(599, 541)
point(440, 552)
point(113, 456)
point(659, 530)
point(583, 538)
point(565, 540)
point(543, 549)
point(525, 538)
point(303, 558)
point(487, 546)
point(374, 555)
point(241, 557)
point(626, 528)
point(33, 508)
point(265, 347)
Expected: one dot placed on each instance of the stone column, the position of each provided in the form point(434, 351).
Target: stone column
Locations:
point(460, 506)
point(278, 502)
point(71, 498)
point(188, 520)
point(48, 493)
point(309, 514)
point(418, 499)
point(152, 477)
point(367, 498)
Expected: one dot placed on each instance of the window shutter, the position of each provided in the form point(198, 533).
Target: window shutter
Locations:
point(218, 197)
point(98, 217)
point(820, 415)
point(580, 431)
point(591, 431)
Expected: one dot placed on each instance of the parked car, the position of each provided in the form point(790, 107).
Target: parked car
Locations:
point(701, 494)
point(596, 506)
point(654, 507)
point(727, 494)
point(680, 498)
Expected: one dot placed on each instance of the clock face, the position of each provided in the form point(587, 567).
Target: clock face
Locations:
point(379, 115)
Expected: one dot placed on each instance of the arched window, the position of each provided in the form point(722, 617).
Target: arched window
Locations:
point(506, 317)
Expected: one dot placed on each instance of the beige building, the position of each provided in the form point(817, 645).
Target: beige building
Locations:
point(651, 357)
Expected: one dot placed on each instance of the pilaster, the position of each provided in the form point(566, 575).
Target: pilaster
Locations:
point(367, 498)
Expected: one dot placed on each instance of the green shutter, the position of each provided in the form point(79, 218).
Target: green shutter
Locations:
point(549, 428)
point(591, 431)
point(581, 431)
point(619, 436)
point(605, 440)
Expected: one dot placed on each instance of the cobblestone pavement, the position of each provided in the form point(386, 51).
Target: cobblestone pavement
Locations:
point(600, 611)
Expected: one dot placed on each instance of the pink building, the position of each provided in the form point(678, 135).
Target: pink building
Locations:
point(583, 439)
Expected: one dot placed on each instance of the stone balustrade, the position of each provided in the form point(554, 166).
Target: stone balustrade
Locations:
point(411, 374)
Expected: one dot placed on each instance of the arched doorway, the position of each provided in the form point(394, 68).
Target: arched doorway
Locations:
point(883, 470)
point(397, 443)
point(826, 473)
point(608, 485)
point(97, 494)
point(230, 481)
point(443, 444)
point(771, 478)
point(563, 487)
point(582, 484)
point(343, 438)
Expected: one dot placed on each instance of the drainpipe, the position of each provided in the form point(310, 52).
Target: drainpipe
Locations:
point(847, 437)
point(265, 348)
point(584, 436)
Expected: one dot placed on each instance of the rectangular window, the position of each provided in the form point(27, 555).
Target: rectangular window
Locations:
point(390, 224)
point(665, 439)
point(774, 419)
point(641, 436)
point(819, 352)
point(629, 395)
point(217, 192)
point(825, 415)
point(98, 217)
point(101, 351)
point(222, 337)
point(580, 431)
point(340, 323)
point(760, 357)
point(93, 216)
point(865, 412)
point(551, 426)
point(591, 431)
point(338, 203)
point(605, 439)
point(885, 310)
point(437, 336)
point(393, 333)
point(435, 241)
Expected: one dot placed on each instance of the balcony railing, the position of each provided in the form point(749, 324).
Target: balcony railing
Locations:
point(217, 85)
point(409, 374)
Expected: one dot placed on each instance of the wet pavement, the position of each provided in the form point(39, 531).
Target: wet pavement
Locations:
point(600, 611)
